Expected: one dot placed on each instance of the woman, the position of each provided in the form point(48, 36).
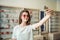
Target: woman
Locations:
point(23, 31)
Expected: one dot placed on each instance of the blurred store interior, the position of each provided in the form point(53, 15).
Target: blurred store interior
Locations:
point(9, 13)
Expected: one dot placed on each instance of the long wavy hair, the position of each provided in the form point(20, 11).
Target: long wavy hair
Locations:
point(20, 20)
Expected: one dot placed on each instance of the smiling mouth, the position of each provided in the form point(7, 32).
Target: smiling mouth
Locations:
point(26, 19)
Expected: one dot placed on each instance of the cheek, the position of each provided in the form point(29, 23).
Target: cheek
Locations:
point(28, 17)
point(22, 17)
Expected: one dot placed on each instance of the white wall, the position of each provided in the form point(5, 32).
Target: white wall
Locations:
point(58, 5)
point(51, 4)
point(34, 4)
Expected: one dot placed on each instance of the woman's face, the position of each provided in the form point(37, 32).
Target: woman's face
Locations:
point(24, 17)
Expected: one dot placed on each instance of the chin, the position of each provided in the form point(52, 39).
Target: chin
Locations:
point(25, 20)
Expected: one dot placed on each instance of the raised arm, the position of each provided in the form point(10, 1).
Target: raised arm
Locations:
point(48, 15)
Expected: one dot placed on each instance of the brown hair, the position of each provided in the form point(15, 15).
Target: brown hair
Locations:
point(20, 20)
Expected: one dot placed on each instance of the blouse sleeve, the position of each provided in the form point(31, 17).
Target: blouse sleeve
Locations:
point(33, 26)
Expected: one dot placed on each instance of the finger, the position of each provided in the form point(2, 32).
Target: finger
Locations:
point(49, 10)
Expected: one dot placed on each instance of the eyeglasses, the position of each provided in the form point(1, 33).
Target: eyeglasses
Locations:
point(25, 15)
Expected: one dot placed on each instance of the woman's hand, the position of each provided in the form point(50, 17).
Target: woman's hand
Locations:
point(49, 12)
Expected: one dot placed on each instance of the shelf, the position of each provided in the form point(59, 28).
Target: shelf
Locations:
point(6, 28)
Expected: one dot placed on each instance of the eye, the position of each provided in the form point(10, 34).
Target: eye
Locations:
point(25, 15)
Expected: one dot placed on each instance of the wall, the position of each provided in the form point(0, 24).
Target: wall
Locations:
point(51, 4)
point(34, 4)
point(58, 5)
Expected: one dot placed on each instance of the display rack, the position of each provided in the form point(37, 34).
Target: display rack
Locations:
point(54, 22)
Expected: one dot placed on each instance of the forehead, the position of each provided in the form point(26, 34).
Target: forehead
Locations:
point(24, 13)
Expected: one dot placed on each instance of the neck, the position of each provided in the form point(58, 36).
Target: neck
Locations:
point(23, 24)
